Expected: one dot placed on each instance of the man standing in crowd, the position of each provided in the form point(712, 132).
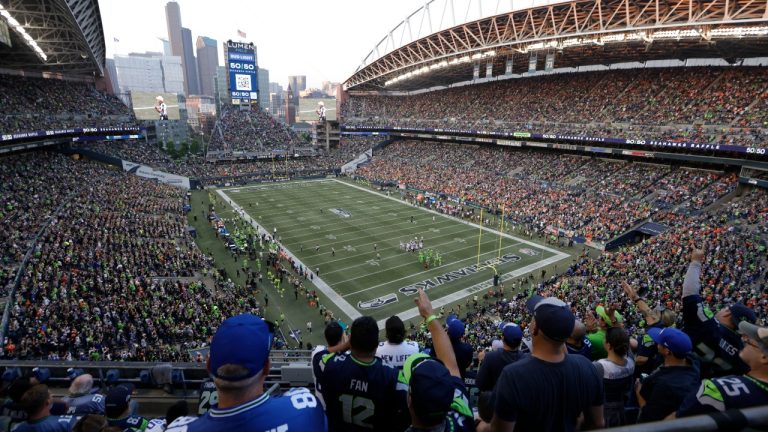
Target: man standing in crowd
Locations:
point(714, 338)
point(396, 349)
point(463, 351)
point(578, 343)
point(360, 391)
point(662, 392)
point(495, 361)
point(548, 390)
point(735, 391)
point(80, 400)
point(437, 398)
point(239, 362)
point(118, 409)
point(37, 402)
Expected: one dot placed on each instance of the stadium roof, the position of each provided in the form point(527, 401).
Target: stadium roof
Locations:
point(69, 35)
point(577, 33)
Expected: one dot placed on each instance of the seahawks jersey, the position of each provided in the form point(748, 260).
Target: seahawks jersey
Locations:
point(130, 423)
point(48, 424)
point(296, 410)
point(86, 404)
point(361, 396)
point(722, 394)
point(716, 345)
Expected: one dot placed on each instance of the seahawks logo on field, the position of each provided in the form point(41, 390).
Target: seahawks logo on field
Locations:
point(529, 252)
point(377, 302)
point(341, 212)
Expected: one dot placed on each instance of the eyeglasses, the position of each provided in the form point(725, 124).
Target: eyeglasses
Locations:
point(748, 341)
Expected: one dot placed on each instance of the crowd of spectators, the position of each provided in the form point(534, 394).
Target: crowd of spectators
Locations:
point(241, 130)
point(31, 104)
point(114, 253)
point(703, 105)
point(597, 199)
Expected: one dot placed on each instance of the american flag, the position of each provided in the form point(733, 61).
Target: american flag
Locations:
point(241, 33)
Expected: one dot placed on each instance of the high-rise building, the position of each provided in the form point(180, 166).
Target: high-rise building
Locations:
point(166, 47)
point(297, 83)
point(263, 85)
point(207, 62)
point(221, 94)
point(173, 20)
point(149, 72)
point(275, 88)
point(189, 63)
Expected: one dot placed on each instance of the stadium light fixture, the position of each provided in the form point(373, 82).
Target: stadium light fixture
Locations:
point(23, 33)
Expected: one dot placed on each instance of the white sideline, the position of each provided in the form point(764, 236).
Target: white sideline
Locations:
point(332, 295)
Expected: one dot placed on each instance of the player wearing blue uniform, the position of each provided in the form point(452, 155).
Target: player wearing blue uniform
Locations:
point(37, 401)
point(239, 363)
point(735, 391)
point(714, 337)
point(361, 393)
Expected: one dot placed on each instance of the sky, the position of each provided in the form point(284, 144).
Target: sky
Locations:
point(326, 41)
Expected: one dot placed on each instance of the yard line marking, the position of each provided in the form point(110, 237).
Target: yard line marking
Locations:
point(332, 295)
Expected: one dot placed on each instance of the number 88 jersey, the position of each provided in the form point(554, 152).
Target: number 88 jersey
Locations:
point(296, 410)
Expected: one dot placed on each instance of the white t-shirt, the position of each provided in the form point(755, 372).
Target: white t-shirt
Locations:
point(395, 354)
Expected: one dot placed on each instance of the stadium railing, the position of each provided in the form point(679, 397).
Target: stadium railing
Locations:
point(731, 420)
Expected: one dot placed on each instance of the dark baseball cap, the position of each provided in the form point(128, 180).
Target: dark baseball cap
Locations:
point(243, 340)
point(742, 313)
point(553, 317)
point(512, 333)
point(431, 390)
point(117, 401)
point(456, 328)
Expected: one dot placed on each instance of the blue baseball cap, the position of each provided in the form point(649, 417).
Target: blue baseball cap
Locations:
point(243, 340)
point(455, 328)
point(553, 317)
point(740, 312)
point(431, 390)
point(673, 339)
point(512, 333)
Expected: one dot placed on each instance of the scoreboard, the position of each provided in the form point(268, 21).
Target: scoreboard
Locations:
point(241, 63)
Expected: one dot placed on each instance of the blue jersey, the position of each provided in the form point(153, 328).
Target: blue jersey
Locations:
point(361, 396)
point(296, 410)
point(48, 424)
point(130, 423)
point(714, 344)
point(86, 404)
point(726, 393)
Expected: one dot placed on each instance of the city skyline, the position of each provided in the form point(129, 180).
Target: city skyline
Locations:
point(302, 29)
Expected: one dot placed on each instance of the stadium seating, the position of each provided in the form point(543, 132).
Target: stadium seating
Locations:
point(710, 105)
point(30, 104)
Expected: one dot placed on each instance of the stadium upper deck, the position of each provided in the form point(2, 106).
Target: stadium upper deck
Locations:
point(434, 47)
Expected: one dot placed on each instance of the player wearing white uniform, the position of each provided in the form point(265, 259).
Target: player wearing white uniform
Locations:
point(396, 349)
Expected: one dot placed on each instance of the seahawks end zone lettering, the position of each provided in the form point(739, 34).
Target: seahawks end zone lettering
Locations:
point(377, 302)
point(455, 275)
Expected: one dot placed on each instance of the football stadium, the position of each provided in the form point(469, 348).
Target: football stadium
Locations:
point(542, 217)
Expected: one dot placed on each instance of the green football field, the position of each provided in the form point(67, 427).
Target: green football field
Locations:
point(345, 220)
